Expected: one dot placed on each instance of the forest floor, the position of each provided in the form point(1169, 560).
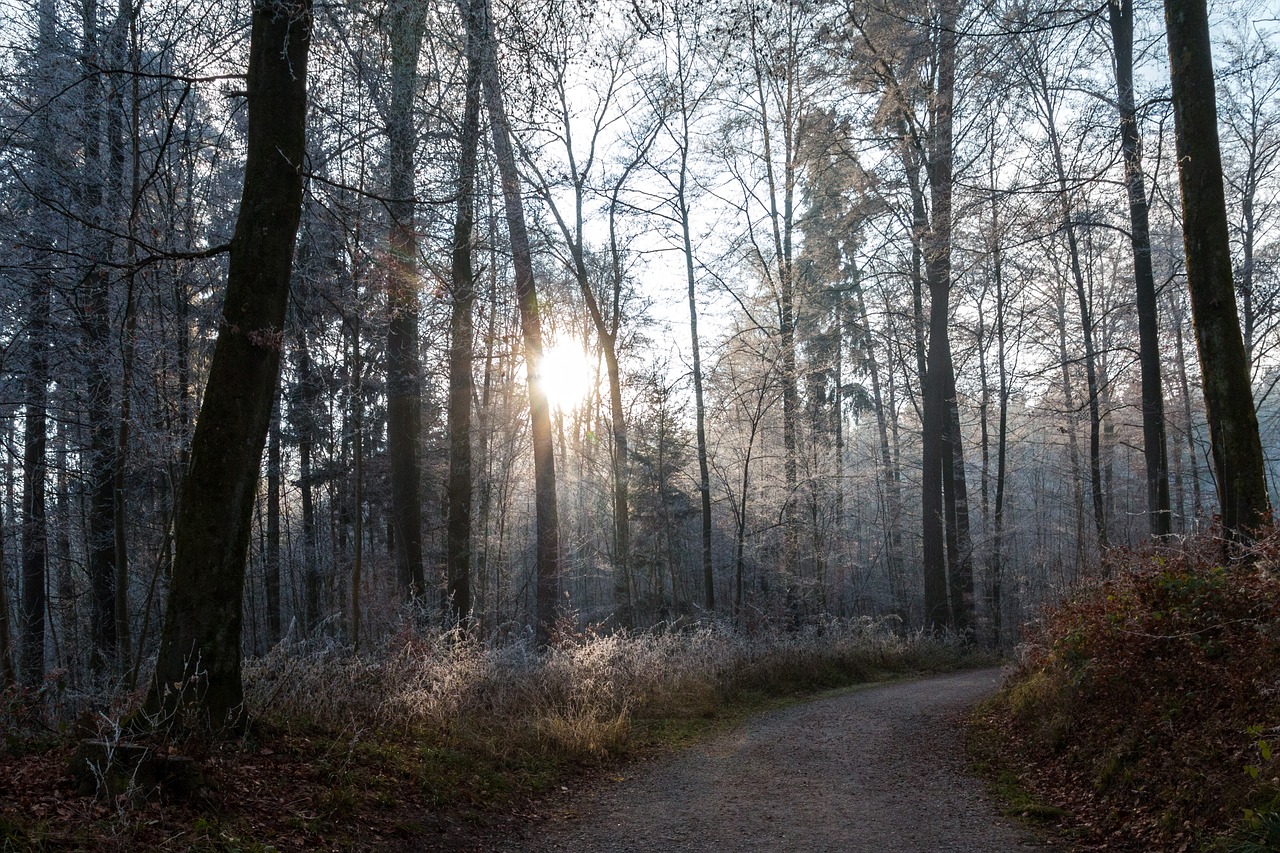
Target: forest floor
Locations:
point(875, 767)
point(443, 743)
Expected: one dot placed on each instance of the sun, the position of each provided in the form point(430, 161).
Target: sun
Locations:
point(566, 374)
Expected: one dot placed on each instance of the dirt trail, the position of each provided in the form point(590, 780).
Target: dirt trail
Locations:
point(876, 769)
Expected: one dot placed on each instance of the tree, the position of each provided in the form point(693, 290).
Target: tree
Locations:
point(198, 667)
point(1250, 118)
point(1120, 17)
point(941, 439)
point(544, 465)
point(1224, 366)
point(406, 21)
point(678, 101)
point(461, 334)
point(614, 67)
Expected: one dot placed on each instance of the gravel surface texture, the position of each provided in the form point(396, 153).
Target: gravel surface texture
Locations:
point(878, 768)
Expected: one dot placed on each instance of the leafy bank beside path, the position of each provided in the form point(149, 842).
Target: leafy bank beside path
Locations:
point(1146, 708)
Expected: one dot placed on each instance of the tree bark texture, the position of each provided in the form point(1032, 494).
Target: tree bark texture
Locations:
point(198, 667)
point(406, 22)
point(939, 450)
point(1228, 397)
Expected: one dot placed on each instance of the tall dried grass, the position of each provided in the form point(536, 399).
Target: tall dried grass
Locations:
point(580, 697)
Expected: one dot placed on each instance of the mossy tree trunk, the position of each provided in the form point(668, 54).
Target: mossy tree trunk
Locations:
point(198, 668)
point(1228, 397)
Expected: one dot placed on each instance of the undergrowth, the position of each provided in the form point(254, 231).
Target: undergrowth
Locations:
point(1146, 705)
point(440, 730)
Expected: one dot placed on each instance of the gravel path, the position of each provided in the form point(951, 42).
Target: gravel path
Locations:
point(873, 769)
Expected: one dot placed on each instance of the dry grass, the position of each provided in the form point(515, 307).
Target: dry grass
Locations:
point(579, 698)
point(437, 733)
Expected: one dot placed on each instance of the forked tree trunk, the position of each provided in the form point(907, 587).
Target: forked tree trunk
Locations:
point(198, 666)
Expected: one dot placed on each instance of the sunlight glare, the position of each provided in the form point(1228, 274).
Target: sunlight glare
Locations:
point(566, 375)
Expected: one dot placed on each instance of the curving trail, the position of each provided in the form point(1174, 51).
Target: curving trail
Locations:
point(879, 768)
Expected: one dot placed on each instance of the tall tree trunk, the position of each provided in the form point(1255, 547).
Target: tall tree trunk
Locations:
point(304, 418)
point(1086, 314)
point(939, 451)
point(955, 493)
point(95, 331)
point(782, 223)
point(1184, 387)
point(34, 527)
point(357, 473)
point(199, 660)
point(1228, 397)
point(127, 49)
point(461, 340)
point(888, 470)
point(1073, 444)
point(544, 466)
point(273, 528)
point(8, 675)
point(406, 21)
point(996, 568)
point(1153, 429)
point(700, 408)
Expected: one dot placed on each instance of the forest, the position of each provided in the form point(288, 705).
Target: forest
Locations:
point(408, 409)
point(326, 325)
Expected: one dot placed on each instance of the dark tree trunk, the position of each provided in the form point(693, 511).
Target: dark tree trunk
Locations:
point(273, 529)
point(938, 451)
point(700, 412)
point(461, 341)
point(8, 676)
point(955, 492)
point(1228, 397)
point(304, 425)
point(623, 586)
point(1086, 316)
point(544, 465)
point(1153, 431)
point(699, 404)
point(996, 569)
point(34, 527)
point(199, 660)
point(357, 473)
point(95, 327)
point(125, 55)
point(406, 21)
